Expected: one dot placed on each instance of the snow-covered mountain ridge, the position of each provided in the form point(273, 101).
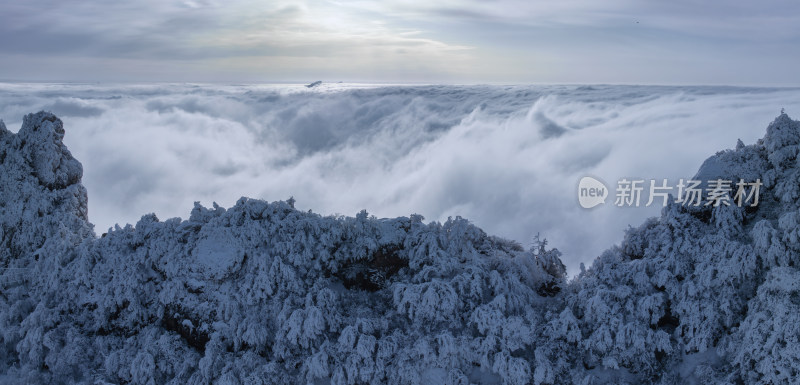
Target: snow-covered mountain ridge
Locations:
point(261, 293)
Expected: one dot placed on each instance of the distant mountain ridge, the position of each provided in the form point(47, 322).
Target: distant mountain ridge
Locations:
point(261, 293)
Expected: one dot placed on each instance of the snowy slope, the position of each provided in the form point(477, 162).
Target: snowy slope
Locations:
point(261, 293)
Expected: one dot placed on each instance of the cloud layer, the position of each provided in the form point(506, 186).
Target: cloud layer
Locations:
point(507, 158)
point(619, 41)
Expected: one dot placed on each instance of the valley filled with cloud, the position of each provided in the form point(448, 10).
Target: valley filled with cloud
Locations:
point(508, 158)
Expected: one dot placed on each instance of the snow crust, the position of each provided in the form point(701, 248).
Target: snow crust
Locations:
point(261, 293)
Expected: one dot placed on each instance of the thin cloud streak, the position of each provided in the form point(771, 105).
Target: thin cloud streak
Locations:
point(451, 41)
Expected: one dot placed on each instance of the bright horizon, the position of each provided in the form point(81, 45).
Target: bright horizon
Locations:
point(399, 42)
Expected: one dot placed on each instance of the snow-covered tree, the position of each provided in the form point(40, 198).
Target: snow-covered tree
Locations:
point(261, 293)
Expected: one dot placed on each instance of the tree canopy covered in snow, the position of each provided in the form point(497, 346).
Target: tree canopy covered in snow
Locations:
point(262, 293)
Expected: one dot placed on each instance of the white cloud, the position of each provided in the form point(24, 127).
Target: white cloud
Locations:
point(507, 158)
point(629, 41)
point(209, 40)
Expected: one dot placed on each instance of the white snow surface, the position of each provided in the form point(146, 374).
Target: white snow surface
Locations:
point(263, 293)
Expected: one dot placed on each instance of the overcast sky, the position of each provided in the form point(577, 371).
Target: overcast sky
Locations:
point(510, 41)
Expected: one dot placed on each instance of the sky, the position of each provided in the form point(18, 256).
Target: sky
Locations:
point(450, 41)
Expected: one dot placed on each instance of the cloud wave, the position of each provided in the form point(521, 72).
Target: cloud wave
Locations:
point(507, 158)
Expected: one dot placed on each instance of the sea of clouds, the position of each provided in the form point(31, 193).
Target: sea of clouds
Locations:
point(508, 158)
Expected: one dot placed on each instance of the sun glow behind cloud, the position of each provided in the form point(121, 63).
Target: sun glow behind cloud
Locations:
point(330, 40)
point(243, 40)
point(515, 41)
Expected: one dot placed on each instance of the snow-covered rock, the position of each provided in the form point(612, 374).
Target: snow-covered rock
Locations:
point(261, 293)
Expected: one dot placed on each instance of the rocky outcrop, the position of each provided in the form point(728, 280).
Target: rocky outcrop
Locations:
point(261, 293)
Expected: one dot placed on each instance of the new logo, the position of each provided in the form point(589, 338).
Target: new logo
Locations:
point(591, 192)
